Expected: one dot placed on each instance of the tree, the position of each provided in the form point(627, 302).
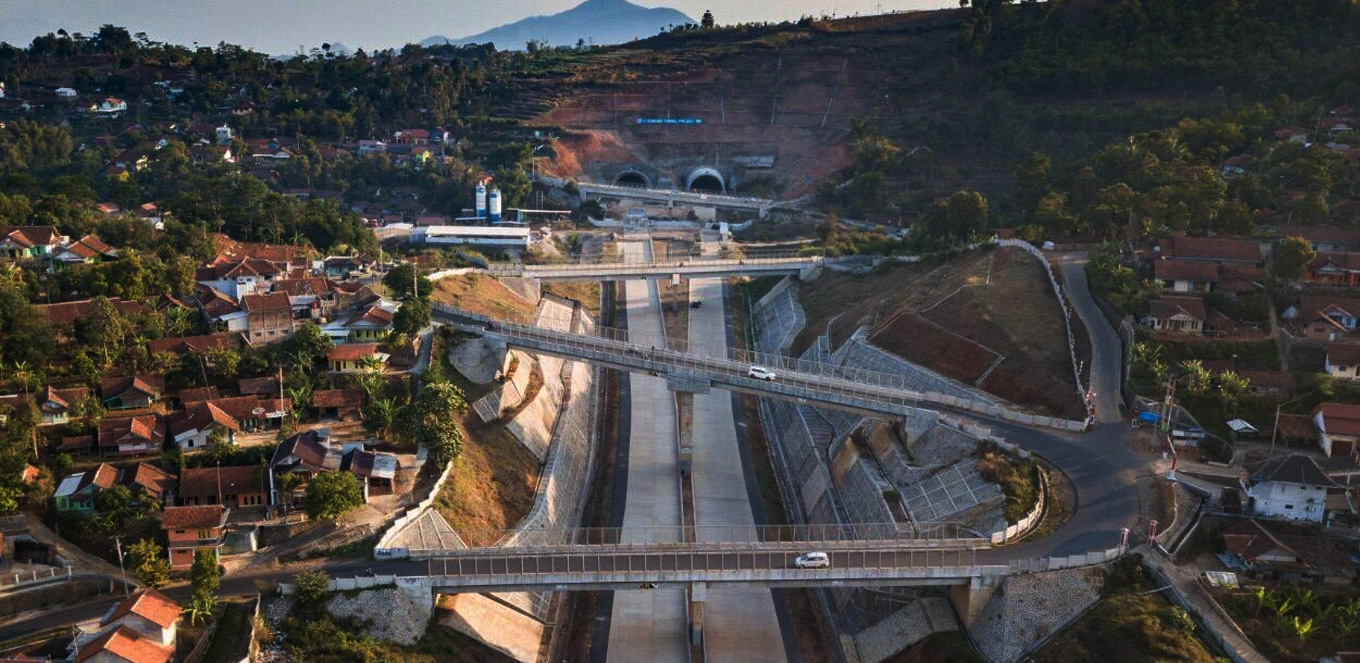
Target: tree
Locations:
point(1197, 378)
point(310, 345)
point(104, 327)
point(1031, 181)
point(1231, 386)
point(402, 278)
point(200, 608)
point(151, 568)
point(311, 586)
point(1291, 257)
point(331, 495)
point(432, 421)
point(377, 415)
point(706, 22)
point(412, 317)
point(205, 576)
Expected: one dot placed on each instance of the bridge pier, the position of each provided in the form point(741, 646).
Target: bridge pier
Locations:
point(809, 273)
point(698, 594)
point(970, 599)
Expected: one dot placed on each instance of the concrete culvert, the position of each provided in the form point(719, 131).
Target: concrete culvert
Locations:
point(707, 180)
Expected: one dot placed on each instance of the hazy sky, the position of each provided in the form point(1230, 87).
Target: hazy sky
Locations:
point(281, 26)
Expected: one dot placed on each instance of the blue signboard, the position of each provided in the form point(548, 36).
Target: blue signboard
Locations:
point(670, 120)
point(1152, 417)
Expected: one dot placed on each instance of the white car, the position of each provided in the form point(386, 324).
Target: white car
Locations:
point(812, 560)
point(760, 373)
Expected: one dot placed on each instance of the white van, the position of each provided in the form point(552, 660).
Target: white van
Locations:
point(812, 560)
point(760, 373)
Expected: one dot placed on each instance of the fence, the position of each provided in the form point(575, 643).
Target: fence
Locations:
point(10, 581)
point(1041, 564)
point(1030, 521)
point(384, 549)
point(1082, 391)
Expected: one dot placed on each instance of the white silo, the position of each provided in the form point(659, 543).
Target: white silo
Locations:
point(481, 200)
point(495, 200)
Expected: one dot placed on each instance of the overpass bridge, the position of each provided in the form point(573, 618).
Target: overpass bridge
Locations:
point(869, 392)
point(690, 268)
point(671, 197)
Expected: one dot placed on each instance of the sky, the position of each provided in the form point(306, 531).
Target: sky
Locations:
point(283, 26)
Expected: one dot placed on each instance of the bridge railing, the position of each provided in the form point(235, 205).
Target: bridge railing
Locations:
point(796, 377)
point(596, 262)
point(883, 535)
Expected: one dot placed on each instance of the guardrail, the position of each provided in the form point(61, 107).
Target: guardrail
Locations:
point(10, 581)
point(837, 385)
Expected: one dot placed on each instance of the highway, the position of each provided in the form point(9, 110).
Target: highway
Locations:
point(670, 196)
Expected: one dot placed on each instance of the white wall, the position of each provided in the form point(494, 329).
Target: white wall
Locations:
point(1278, 499)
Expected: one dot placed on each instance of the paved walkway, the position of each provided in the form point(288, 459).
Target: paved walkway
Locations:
point(739, 621)
point(1227, 632)
point(649, 625)
point(1106, 355)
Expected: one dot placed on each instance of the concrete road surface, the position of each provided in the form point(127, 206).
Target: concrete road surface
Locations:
point(739, 621)
point(650, 625)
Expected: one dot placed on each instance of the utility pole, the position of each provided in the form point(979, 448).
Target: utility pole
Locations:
point(118, 546)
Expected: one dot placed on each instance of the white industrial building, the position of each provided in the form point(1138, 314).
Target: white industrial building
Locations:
point(502, 236)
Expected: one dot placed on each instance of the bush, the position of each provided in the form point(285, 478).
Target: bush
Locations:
point(311, 586)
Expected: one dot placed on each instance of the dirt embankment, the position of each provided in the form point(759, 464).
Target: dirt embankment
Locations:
point(988, 319)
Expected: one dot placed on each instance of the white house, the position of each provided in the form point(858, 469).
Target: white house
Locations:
point(371, 147)
point(66, 93)
point(474, 235)
point(1291, 487)
point(191, 428)
point(1343, 361)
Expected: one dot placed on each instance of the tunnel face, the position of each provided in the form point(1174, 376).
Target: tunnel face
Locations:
point(705, 179)
point(632, 178)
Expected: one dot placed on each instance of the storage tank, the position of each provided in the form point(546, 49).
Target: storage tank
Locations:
point(495, 204)
point(481, 200)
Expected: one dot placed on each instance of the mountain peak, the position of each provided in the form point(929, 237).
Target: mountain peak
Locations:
point(599, 22)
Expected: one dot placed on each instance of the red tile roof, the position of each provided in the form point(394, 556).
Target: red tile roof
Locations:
point(375, 314)
point(201, 416)
point(208, 481)
point(148, 477)
point(150, 385)
point(149, 604)
point(1340, 419)
point(1167, 307)
point(143, 429)
point(1329, 234)
point(1214, 249)
point(67, 312)
point(128, 645)
point(301, 287)
point(30, 236)
point(243, 407)
point(223, 267)
point(353, 351)
point(1184, 270)
point(1343, 354)
point(195, 343)
point(193, 517)
point(338, 398)
point(274, 301)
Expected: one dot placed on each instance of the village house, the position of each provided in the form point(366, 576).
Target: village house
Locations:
point(65, 314)
point(1186, 275)
point(87, 250)
point(148, 612)
point(1325, 239)
point(250, 412)
point(242, 487)
point(1236, 165)
point(1343, 361)
point(1338, 427)
point(1333, 269)
point(1269, 384)
point(192, 427)
point(337, 404)
point(56, 404)
point(375, 470)
point(35, 242)
point(189, 528)
point(221, 311)
point(76, 492)
point(269, 318)
point(1213, 249)
point(306, 453)
point(373, 323)
point(1181, 315)
point(352, 357)
point(267, 386)
point(310, 298)
point(147, 483)
point(131, 393)
point(1325, 318)
point(241, 276)
point(194, 344)
point(1292, 487)
point(1254, 548)
point(123, 645)
point(131, 436)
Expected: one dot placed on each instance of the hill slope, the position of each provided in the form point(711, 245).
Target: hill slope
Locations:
point(599, 22)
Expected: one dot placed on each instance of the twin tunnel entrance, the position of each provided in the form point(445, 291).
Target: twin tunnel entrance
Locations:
point(703, 179)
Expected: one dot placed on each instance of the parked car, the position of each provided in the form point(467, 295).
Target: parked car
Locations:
point(760, 373)
point(812, 560)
